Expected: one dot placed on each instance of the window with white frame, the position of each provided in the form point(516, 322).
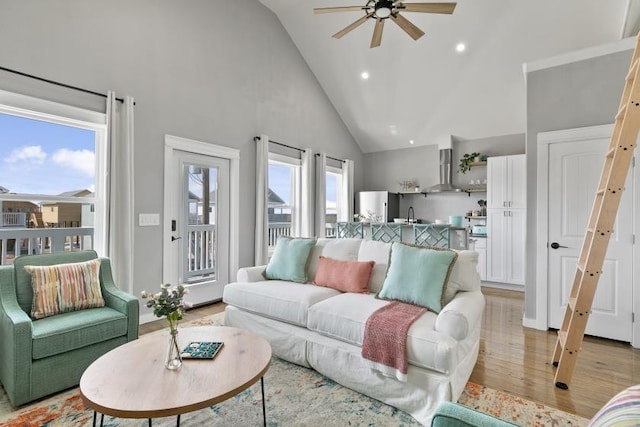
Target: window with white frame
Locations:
point(284, 197)
point(52, 177)
point(333, 204)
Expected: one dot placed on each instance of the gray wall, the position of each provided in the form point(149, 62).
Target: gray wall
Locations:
point(220, 72)
point(585, 93)
point(386, 169)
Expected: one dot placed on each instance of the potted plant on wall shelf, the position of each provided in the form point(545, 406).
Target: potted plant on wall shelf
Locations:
point(467, 160)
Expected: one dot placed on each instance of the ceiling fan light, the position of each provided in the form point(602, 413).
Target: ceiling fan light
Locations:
point(383, 12)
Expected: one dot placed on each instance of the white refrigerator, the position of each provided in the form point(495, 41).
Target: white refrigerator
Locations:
point(378, 206)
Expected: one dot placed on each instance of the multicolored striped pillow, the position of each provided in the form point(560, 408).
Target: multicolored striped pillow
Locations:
point(622, 410)
point(65, 287)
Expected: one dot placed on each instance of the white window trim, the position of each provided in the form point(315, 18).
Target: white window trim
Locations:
point(337, 171)
point(39, 109)
point(296, 190)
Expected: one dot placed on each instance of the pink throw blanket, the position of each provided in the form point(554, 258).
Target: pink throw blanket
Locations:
point(384, 346)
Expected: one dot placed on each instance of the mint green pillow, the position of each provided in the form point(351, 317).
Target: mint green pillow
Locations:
point(418, 275)
point(289, 260)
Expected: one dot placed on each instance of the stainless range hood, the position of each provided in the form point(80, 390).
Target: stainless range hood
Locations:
point(445, 174)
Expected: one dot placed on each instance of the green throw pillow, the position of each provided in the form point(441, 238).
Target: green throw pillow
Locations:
point(418, 275)
point(290, 259)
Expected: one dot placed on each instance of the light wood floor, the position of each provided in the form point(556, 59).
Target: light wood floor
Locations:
point(517, 359)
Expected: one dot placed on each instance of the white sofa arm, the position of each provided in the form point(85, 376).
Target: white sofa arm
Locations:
point(460, 316)
point(251, 274)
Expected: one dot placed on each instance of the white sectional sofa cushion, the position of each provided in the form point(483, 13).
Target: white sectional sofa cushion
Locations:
point(285, 301)
point(344, 318)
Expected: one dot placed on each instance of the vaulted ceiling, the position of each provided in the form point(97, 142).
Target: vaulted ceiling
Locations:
point(424, 91)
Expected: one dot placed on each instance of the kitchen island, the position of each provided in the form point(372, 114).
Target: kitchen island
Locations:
point(458, 238)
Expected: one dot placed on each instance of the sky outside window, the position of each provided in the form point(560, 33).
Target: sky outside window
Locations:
point(38, 157)
point(280, 178)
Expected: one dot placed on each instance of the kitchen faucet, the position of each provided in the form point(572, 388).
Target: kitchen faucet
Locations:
point(411, 216)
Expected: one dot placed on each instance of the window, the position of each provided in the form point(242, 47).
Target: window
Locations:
point(333, 190)
point(284, 197)
point(52, 168)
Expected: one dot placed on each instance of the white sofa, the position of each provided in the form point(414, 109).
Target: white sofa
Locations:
point(322, 328)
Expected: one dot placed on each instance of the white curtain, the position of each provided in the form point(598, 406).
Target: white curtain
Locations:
point(321, 194)
point(120, 197)
point(262, 200)
point(346, 193)
point(307, 194)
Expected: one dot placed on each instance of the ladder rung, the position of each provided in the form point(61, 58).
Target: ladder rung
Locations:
point(632, 71)
point(572, 303)
point(621, 111)
point(611, 152)
point(600, 192)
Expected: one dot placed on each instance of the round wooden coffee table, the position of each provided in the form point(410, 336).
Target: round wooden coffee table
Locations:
point(131, 381)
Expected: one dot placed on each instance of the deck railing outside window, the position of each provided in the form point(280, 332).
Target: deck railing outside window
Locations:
point(22, 241)
point(13, 219)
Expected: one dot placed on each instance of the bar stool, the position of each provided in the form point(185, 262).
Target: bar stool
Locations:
point(385, 232)
point(435, 235)
point(350, 230)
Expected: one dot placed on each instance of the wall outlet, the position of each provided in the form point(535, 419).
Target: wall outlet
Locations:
point(149, 219)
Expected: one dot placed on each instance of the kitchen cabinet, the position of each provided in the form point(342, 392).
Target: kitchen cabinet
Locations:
point(506, 219)
point(506, 231)
point(507, 182)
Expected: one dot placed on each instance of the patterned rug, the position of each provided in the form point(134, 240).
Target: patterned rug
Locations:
point(296, 396)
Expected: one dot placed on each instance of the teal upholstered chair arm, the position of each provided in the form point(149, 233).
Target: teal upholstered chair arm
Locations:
point(455, 415)
point(118, 299)
point(15, 338)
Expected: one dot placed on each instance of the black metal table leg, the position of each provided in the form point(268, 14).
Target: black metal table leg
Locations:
point(149, 422)
point(178, 423)
point(95, 416)
point(101, 420)
point(264, 408)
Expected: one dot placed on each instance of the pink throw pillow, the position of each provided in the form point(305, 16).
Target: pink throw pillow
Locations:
point(345, 276)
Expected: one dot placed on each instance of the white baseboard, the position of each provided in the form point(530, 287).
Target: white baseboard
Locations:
point(506, 286)
point(528, 322)
point(147, 317)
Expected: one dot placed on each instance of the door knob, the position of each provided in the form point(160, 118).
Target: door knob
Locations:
point(556, 245)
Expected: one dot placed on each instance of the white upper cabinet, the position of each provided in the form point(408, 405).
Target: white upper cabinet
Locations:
point(506, 177)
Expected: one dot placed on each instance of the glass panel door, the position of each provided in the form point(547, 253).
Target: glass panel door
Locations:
point(201, 228)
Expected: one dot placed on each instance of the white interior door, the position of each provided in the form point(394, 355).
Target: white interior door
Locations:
point(199, 224)
point(574, 172)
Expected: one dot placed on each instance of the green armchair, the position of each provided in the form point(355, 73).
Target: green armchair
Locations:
point(40, 357)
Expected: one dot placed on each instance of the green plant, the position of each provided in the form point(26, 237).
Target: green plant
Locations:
point(168, 302)
point(466, 160)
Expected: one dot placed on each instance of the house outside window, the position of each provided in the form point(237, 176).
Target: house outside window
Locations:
point(52, 169)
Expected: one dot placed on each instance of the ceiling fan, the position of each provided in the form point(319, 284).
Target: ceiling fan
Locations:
point(381, 10)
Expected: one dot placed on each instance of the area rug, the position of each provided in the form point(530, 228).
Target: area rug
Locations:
point(296, 396)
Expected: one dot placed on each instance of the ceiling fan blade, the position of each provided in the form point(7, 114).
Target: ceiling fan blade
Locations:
point(407, 26)
point(377, 33)
point(352, 27)
point(446, 8)
point(339, 9)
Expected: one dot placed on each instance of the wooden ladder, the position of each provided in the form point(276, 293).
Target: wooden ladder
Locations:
point(603, 214)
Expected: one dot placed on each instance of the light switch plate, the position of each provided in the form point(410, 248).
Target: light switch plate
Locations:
point(148, 219)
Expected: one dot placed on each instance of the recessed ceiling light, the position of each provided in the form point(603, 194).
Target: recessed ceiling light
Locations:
point(460, 47)
point(364, 75)
point(411, 141)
